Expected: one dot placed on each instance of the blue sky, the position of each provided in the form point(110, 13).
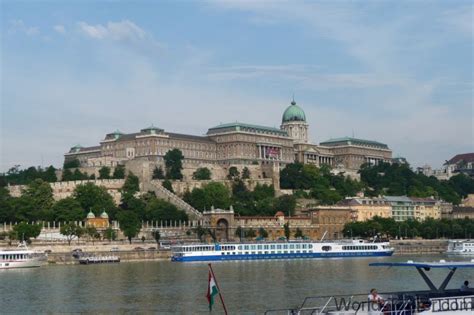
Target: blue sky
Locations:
point(392, 71)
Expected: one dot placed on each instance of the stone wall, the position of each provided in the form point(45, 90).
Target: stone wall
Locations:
point(180, 187)
point(63, 190)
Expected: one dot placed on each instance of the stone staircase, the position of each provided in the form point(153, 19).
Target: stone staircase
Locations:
point(167, 195)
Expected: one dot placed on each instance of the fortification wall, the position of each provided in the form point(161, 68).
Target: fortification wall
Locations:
point(180, 187)
point(63, 190)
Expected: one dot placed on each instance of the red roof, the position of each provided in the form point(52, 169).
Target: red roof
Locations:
point(466, 157)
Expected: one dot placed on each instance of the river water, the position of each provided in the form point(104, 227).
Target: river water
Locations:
point(248, 287)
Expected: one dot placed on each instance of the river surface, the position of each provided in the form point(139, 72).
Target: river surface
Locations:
point(248, 287)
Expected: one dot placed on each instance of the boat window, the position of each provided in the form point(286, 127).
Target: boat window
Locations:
point(292, 246)
point(278, 246)
point(326, 248)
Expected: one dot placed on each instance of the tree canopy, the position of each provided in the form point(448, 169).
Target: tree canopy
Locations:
point(202, 173)
point(174, 164)
point(16, 176)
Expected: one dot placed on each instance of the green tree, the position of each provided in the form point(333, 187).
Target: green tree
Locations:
point(156, 236)
point(71, 164)
point(94, 198)
point(168, 185)
point(91, 231)
point(130, 187)
point(159, 209)
point(174, 164)
point(234, 173)
point(299, 233)
point(218, 195)
point(251, 233)
point(6, 210)
point(240, 233)
point(202, 173)
point(158, 173)
point(104, 172)
point(39, 195)
point(70, 231)
point(25, 231)
point(286, 228)
point(110, 234)
point(66, 210)
point(119, 172)
point(200, 232)
point(245, 173)
point(285, 203)
point(67, 175)
point(129, 224)
point(49, 175)
point(262, 232)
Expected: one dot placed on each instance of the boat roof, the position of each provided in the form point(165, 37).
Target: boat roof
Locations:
point(426, 265)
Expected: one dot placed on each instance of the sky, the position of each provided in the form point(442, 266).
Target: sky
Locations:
point(398, 72)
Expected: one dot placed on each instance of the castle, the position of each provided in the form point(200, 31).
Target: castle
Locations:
point(232, 144)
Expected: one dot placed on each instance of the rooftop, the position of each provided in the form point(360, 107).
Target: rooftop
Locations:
point(238, 126)
point(466, 157)
point(354, 141)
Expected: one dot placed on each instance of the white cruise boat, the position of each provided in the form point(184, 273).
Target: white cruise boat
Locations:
point(431, 301)
point(20, 257)
point(279, 250)
point(461, 247)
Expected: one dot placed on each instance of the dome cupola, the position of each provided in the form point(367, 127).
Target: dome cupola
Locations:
point(293, 113)
point(104, 215)
point(90, 215)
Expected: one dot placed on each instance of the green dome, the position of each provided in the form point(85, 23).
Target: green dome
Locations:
point(90, 215)
point(104, 215)
point(293, 113)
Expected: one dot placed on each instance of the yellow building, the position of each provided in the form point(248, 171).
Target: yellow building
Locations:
point(426, 208)
point(99, 223)
point(363, 209)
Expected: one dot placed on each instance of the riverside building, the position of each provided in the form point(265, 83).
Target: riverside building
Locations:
point(234, 144)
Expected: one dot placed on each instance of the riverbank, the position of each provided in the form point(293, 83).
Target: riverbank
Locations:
point(424, 247)
point(128, 256)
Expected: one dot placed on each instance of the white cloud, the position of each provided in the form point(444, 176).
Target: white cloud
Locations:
point(20, 27)
point(119, 31)
point(60, 29)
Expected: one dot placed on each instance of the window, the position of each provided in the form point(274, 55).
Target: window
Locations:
point(326, 248)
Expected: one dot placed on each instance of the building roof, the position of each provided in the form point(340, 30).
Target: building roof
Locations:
point(78, 148)
point(293, 113)
point(397, 198)
point(466, 157)
point(189, 137)
point(353, 141)
point(463, 209)
point(238, 126)
point(424, 200)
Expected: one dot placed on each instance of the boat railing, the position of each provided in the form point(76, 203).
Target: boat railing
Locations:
point(395, 303)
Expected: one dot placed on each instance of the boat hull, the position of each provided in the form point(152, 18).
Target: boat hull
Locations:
point(279, 256)
point(33, 263)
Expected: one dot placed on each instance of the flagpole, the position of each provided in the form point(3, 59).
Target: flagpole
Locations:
point(219, 289)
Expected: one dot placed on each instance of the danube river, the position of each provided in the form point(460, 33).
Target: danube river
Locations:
point(249, 287)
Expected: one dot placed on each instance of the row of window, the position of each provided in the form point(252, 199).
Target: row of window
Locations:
point(275, 246)
point(13, 256)
point(364, 247)
point(271, 252)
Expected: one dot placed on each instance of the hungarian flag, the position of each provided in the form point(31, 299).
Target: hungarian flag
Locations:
point(212, 290)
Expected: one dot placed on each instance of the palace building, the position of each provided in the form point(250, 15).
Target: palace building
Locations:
point(235, 144)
